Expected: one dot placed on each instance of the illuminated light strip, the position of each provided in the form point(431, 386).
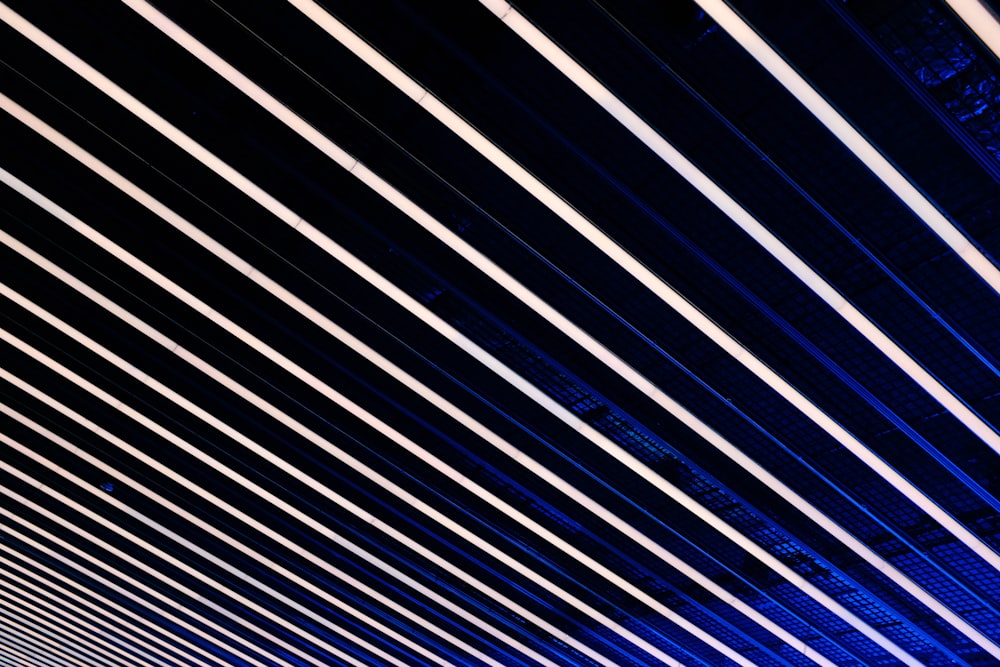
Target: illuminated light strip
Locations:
point(18, 605)
point(667, 294)
point(326, 491)
point(48, 628)
point(393, 196)
point(50, 642)
point(274, 500)
point(271, 565)
point(149, 381)
point(354, 463)
point(161, 554)
point(134, 484)
point(54, 613)
point(614, 362)
point(365, 351)
point(121, 576)
point(981, 20)
point(329, 569)
point(30, 642)
point(50, 588)
point(55, 632)
point(28, 651)
point(286, 214)
point(647, 278)
point(296, 123)
point(8, 661)
point(321, 320)
point(743, 218)
point(865, 151)
point(245, 602)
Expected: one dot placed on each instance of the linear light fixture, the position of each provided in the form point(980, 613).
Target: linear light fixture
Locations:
point(28, 653)
point(244, 602)
point(49, 623)
point(241, 391)
point(45, 583)
point(413, 501)
point(56, 637)
point(646, 133)
point(267, 563)
point(233, 476)
point(155, 601)
point(672, 299)
point(48, 641)
point(365, 272)
point(181, 588)
point(842, 128)
point(73, 618)
point(743, 218)
point(392, 195)
point(365, 351)
point(981, 20)
point(274, 355)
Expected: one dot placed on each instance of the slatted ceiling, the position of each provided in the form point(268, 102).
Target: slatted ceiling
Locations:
point(304, 162)
point(800, 226)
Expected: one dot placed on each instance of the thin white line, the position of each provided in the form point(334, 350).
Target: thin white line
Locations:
point(401, 202)
point(54, 612)
point(376, 280)
point(855, 142)
point(45, 639)
point(687, 310)
point(68, 642)
point(981, 20)
point(38, 648)
point(49, 589)
point(121, 590)
point(316, 439)
point(746, 221)
point(206, 495)
point(24, 649)
point(365, 351)
point(672, 298)
point(330, 494)
point(245, 602)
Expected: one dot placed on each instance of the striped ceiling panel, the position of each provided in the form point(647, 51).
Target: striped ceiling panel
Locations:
point(607, 333)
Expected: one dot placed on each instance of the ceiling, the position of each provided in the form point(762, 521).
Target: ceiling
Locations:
point(617, 332)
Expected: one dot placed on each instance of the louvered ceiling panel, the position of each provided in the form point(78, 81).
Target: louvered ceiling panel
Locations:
point(562, 333)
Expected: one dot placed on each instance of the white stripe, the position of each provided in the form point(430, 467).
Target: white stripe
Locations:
point(121, 590)
point(365, 272)
point(27, 653)
point(47, 587)
point(669, 296)
point(365, 351)
point(74, 619)
point(327, 446)
point(981, 20)
point(615, 363)
point(243, 576)
point(68, 641)
point(32, 646)
point(145, 567)
point(746, 221)
point(49, 641)
point(269, 564)
point(328, 493)
point(855, 142)
point(678, 303)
